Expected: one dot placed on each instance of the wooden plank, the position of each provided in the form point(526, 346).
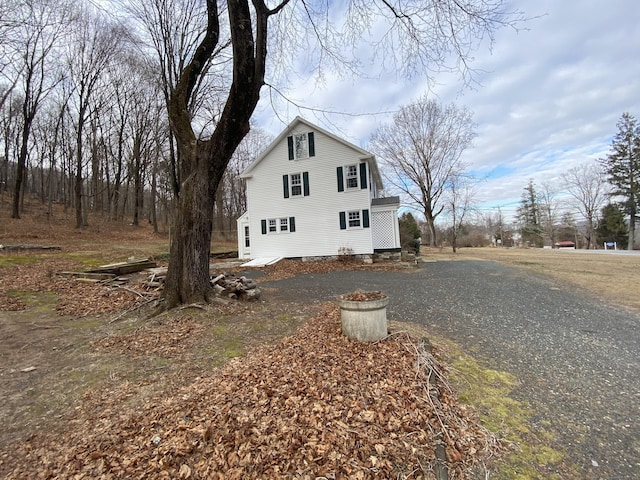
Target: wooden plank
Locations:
point(122, 268)
point(89, 275)
point(28, 247)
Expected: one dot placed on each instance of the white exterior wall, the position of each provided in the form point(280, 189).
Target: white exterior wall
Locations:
point(317, 218)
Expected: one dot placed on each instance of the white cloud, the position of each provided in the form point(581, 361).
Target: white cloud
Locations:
point(549, 99)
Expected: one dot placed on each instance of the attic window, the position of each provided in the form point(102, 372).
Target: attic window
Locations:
point(301, 145)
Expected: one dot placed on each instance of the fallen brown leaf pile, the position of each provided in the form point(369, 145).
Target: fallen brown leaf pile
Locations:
point(290, 268)
point(315, 404)
point(74, 297)
point(360, 296)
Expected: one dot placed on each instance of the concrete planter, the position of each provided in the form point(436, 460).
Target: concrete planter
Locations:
point(364, 320)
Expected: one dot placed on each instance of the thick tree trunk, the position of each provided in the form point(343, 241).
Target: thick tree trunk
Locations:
point(188, 275)
point(202, 163)
point(431, 225)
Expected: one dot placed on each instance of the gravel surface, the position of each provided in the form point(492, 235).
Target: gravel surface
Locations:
point(577, 359)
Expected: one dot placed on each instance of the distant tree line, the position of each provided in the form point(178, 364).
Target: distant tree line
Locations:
point(601, 199)
point(83, 119)
point(591, 204)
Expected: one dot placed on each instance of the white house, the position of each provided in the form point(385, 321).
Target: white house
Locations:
point(313, 194)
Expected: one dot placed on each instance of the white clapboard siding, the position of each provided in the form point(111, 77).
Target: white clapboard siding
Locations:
point(317, 219)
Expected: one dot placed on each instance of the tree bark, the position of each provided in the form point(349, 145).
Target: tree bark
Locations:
point(203, 163)
point(188, 274)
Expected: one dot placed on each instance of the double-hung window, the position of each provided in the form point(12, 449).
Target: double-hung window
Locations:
point(278, 225)
point(296, 184)
point(352, 176)
point(354, 218)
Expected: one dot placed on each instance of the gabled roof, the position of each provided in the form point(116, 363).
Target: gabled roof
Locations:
point(363, 154)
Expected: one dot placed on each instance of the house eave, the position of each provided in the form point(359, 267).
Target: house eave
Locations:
point(363, 154)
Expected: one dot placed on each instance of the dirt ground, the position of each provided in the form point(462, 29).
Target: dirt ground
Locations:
point(70, 350)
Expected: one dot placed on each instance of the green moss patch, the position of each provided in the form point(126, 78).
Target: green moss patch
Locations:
point(15, 260)
point(532, 451)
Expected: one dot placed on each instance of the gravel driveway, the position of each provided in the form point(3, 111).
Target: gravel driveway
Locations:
point(577, 359)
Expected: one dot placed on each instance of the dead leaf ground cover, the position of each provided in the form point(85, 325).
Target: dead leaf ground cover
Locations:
point(93, 388)
point(314, 404)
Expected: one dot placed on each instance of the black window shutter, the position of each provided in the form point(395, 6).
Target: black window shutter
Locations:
point(285, 185)
point(290, 143)
point(292, 224)
point(340, 180)
point(365, 218)
point(305, 183)
point(312, 145)
point(343, 221)
point(263, 225)
point(363, 175)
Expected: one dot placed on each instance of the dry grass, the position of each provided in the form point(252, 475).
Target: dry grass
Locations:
point(613, 277)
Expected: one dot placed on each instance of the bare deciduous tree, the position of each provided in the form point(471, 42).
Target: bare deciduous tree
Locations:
point(421, 149)
point(40, 24)
point(95, 42)
point(587, 185)
point(459, 204)
point(549, 211)
point(419, 36)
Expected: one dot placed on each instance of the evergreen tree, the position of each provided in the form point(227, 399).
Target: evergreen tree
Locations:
point(612, 227)
point(529, 216)
point(409, 232)
point(622, 166)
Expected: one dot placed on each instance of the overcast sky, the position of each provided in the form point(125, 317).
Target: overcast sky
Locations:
point(549, 99)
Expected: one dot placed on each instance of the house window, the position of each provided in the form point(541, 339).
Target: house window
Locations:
point(247, 242)
point(352, 176)
point(301, 145)
point(296, 184)
point(278, 225)
point(354, 219)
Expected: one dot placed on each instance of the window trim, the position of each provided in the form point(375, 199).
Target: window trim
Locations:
point(278, 223)
point(364, 219)
point(357, 217)
point(288, 185)
point(355, 176)
point(293, 185)
point(310, 145)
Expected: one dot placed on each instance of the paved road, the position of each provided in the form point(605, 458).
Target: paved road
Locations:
point(578, 359)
